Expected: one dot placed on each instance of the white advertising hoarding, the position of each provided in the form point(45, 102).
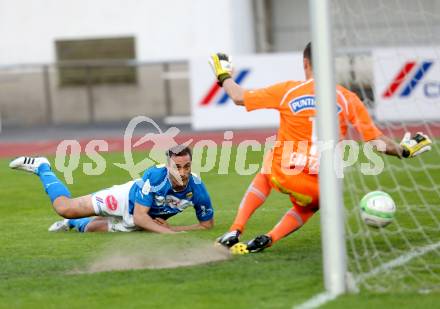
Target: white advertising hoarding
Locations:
point(407, 84)
point(212, 109)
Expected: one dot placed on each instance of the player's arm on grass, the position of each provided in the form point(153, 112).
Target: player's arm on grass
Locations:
point(143, 220)
point(143, 201)
point(203, 210)
point(202, 225)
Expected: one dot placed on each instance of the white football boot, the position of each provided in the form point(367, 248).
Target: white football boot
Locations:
point(28, 164)
point(229, 238)
point(60, 226)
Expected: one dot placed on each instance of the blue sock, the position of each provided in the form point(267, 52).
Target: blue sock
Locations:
point(52, 185)
point(79, 224)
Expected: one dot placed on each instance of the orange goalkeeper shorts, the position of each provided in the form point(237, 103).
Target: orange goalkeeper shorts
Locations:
point(303, 188)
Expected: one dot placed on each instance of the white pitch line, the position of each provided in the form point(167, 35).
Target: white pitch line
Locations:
point(316, 301)
point(403, 259)
point(322, 298)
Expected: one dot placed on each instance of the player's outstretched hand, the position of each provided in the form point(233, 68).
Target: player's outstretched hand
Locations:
point(221, 66)
point(413, 146)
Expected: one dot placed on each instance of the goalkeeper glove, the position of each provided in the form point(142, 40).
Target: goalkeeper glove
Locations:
point(221, 66)
point(413, 146)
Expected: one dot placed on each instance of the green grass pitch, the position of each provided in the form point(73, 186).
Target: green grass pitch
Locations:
point(36, 266)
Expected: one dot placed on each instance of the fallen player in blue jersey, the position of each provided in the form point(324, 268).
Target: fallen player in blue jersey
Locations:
point(143, 204)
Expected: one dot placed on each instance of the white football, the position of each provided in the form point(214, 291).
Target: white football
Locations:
point(377, 209)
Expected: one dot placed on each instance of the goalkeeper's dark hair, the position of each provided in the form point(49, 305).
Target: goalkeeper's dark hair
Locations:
point(307, 53)
point(179, 151)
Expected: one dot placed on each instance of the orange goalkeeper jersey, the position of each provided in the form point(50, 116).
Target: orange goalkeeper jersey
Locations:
point(297, 135)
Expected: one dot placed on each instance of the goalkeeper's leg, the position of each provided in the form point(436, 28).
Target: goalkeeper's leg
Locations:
point(304, 195)
point(254, 197)
point(293, 220)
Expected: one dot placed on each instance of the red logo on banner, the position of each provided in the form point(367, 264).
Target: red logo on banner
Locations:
point(215, 88)
point(111, 202)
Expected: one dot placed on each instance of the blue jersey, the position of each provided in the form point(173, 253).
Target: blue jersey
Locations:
point(155, 191)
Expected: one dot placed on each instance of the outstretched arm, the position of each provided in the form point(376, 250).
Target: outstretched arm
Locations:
point(408, 147)
point(264, 98)
point(143, 220)
point(391, 147)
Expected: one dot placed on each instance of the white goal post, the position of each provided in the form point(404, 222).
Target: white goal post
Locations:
point(395, 46)
point(331, 207)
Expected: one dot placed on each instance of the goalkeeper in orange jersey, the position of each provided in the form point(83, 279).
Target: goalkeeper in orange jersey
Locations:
point(295, 171)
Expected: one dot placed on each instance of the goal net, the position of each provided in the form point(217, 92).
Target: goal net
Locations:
point(388, 52)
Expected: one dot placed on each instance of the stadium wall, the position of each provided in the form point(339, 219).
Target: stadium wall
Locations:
point(34, 97)
point(25, 99)
point(164, 30)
